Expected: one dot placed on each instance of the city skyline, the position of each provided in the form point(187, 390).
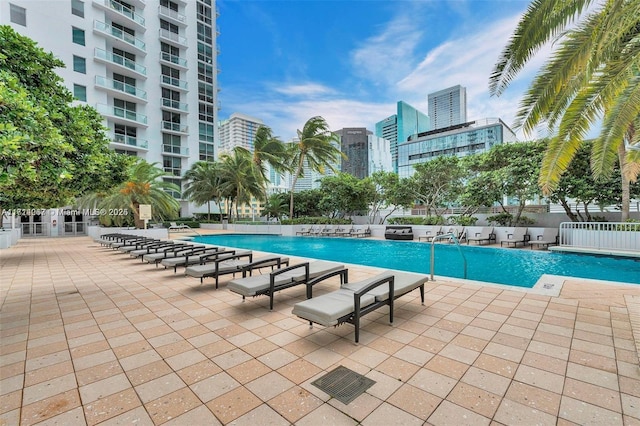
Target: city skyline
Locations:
point(361, 57)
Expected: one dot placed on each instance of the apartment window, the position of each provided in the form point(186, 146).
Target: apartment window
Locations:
point(169, 5)
point(205, 113)
point(206, 152)
point(124, 109)
point(205, 72)
point(172, 28)
point(170, 94)
point(204, 13)
point(171, 143)
point(78, 36)
point(171, 50)
point(80, 92)
point(18, 15)
point(205, 92)
point(172, 165)
point(205, 132)
point(124, 83)
point(77, 8)
point(176, 182)
point(121, 56)
point(127, 152)
point(205, 53)
point(79, 64)
point(125, 134)
point(170, 72)
point(204, 33)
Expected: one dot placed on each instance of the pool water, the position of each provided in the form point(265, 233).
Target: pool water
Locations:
point(516, 267)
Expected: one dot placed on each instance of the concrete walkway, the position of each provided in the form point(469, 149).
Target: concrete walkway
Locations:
point(90, 336)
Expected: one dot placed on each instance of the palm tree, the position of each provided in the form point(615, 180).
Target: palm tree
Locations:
point(144, 186)
point(592, 74)
point(238, 177)
point(203, 185)
point(316, 146)
point(275, 207)
point(269, 149)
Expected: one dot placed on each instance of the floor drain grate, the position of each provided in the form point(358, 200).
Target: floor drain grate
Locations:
point(343, 384)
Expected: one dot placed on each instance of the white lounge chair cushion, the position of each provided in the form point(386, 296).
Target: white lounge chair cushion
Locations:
point(231, 265)
point(328, 308)
point(250, 286)
point(403, 282)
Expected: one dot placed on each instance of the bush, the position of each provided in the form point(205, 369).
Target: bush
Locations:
point(463, 220)
point(405, 220)
point(320, 220)
point(502, 219)
point(433, 220)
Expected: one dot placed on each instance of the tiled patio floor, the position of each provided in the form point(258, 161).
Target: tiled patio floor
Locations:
point(90, 336)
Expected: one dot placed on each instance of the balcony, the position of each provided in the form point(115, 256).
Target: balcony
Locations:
point(123, 90)
point(123, 141)
point(174, 171)
point(172, 82)
point(173, 60)
point(175, 150)
point(121, 38)
point(175, 127)
point(117, 10)
point(175, 105)
point(172, 16)
point(121, 115)
point(173, 38)
point(126, 66)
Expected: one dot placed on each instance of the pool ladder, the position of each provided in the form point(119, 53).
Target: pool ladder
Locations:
point(450, 237)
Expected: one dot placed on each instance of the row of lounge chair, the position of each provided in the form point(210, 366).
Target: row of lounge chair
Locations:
point(347, 304)
point(330, 231)
point(515, 236)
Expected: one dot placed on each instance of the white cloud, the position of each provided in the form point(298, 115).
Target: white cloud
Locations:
point(304, 89)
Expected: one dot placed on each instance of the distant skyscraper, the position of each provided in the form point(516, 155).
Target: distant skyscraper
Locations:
point(399, 127)
point(366, 153)
point(448, 107)
point(238, 130)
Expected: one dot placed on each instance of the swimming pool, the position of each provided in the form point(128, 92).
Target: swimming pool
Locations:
point(516, 267)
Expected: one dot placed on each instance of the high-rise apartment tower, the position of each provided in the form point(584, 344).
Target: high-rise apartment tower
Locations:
point(447, 107)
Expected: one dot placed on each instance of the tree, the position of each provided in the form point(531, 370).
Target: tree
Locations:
point(578, 184)
point(238, 177)
point(51, 151)
point(276, 207)
point(592, 76)
point(269, 149)
point(437, 183)
point(515, 168)
point(388, 192)
point(343, 195)
point(316, 147)
point(204, 185)
point(143, 186)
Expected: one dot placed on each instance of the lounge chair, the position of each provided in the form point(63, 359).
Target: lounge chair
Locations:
point(485, 235)
point(194, 257)
point(459, 232)
point(343, 232)
point(354, 300)
point(173, 226)
point(178, 251)
point(281, 279)
point(236, 263)
point(327, 231)
point(515, 236)
point(431, 233)
point(548, 238)
point(154, 248)
point(303, 231)
point(360, 233)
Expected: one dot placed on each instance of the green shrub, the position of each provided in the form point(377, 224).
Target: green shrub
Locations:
point(406, 220)
point(320, 220)
point(463, 220)
point(434, 220)
point(502, 219)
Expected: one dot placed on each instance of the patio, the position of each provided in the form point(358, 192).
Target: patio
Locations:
point(90, 336)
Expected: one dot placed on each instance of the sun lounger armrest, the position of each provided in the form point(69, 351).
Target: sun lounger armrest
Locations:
point(258, 263)
point(291, 268)
point(214, 256)
point(344, 277)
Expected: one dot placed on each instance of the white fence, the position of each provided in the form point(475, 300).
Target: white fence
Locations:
point(601, 235)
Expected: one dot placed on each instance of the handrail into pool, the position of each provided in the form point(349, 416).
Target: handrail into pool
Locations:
point(453, 237)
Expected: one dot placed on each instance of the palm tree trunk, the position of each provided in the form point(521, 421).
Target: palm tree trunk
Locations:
point(626, 185)
point(293, 184)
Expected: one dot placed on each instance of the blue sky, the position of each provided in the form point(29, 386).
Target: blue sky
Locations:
point(351, 61)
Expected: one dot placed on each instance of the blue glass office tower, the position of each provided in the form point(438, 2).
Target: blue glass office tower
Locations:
point(399, 127)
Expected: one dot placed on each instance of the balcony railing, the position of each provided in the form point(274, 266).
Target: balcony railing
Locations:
point(131, 141)
point(120, 86)
point(176, 38)
point(172, 14)
point(173, 59)
point(170, 103)
point(120, 60)
point(115, 111)
point(176, 82)
point(175, 127)
point(173, 171)
point(178, 150)
point(120, 35)
point(123, 10)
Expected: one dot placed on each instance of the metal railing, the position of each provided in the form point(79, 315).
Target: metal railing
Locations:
point(623, 236)
point(120, 60)
point(119, 34)
point(174, 59)
point(450, 237)
point(120, 86)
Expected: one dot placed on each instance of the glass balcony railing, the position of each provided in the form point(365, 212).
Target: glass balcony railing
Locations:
point(131, 141)
point(119, 34)
point(115, 111)
point(120, 86)
point(120, 60)
point(176, 82)
point(176, 60)
point(177, 38)
point(178, 150)
point(175, 127)
point(173, 171)
point(165, 11)
point(123, 10)
point(170, 103)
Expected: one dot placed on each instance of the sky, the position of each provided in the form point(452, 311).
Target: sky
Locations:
point(351, 61)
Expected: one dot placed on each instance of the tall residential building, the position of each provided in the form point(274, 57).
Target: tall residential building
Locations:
point(448, 107)
point(238, 130)
point(365, 152)
point(464, 139)
point(399, 127)
point(148, 66)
